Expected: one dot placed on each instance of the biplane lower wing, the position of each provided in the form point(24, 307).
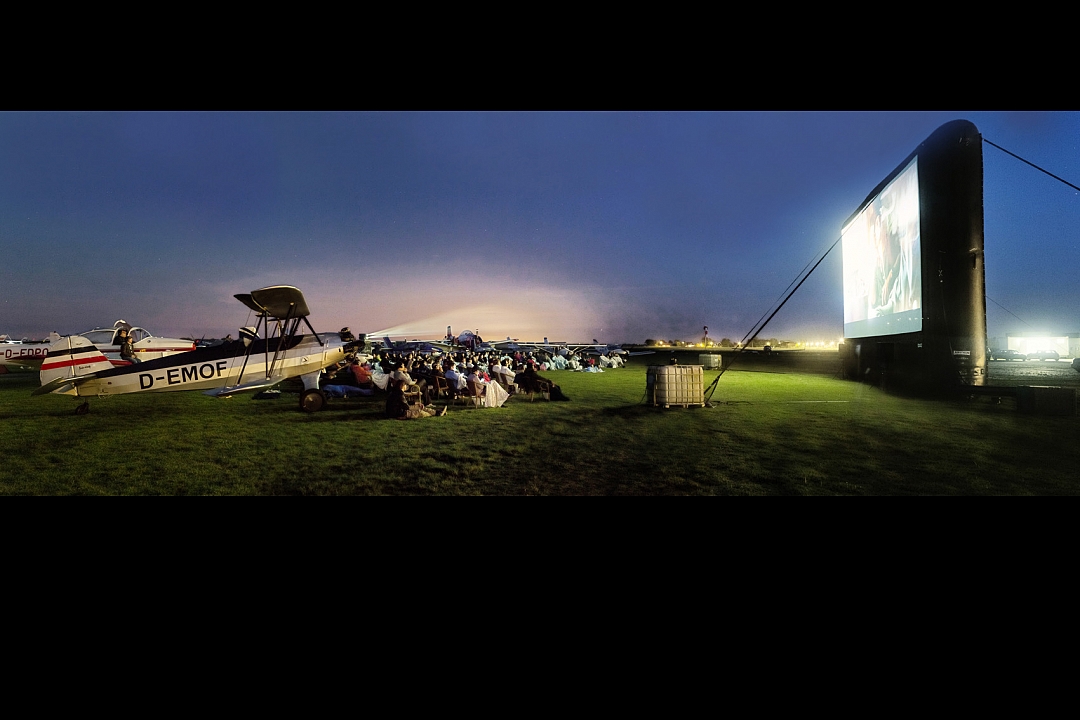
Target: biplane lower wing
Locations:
point(246, 387)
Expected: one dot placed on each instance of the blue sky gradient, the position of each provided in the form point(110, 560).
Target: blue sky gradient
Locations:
point(570, 225)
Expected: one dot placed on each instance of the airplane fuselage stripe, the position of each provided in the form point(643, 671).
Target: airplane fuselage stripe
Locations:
point(74, 361)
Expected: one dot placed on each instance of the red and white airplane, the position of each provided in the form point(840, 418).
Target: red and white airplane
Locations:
point(145, 345)
point(28, 356)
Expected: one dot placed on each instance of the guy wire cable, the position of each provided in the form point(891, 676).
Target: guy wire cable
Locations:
point(743, 341)
point(1031, 164)
point(755, 328)
point(712, 388)
point(1008, 311)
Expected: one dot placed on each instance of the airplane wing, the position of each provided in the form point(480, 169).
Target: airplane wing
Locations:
point(59, 382)
point(277, 301)
point(29, 363)
point(424, 346)
point(246, 387)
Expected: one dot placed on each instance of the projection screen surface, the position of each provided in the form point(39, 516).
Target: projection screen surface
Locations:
point(883, 262)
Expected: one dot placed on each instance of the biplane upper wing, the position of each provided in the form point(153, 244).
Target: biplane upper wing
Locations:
point(276, 301)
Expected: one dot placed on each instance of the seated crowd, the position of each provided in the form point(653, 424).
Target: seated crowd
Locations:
point(414, 380)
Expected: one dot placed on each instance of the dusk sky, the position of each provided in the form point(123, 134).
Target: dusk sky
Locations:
point(619, 226)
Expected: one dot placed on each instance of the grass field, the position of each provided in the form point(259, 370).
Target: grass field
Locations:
point(768, 434)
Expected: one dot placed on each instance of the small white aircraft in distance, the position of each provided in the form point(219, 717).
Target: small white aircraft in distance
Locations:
point(75, 366)
point(565, 348)
point(21, 355)
point(467, 340)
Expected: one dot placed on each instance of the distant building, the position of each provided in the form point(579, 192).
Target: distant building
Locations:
point(1064, 344)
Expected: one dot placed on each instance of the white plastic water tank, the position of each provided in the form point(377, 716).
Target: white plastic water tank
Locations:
point(669, 385)
point(711, 361)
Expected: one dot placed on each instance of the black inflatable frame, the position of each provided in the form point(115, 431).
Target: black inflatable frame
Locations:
point(949, 352)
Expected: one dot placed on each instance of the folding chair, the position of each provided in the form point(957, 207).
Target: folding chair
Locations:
point(474, 392)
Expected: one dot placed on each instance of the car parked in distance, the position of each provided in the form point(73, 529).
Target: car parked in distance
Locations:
point(1008, 355)
point(1043, 355)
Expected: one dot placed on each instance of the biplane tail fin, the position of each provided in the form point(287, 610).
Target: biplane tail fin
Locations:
point(72, 359)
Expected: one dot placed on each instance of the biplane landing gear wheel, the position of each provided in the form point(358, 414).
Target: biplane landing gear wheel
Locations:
point(312, 400)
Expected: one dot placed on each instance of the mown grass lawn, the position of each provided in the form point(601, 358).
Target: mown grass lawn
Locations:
point(768, 434)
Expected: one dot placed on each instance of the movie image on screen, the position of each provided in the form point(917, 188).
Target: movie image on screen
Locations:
point(883, 262)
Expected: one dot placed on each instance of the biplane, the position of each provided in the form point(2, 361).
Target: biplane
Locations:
point(75, 366)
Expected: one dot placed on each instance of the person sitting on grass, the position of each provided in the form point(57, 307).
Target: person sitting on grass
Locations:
point(501, 375)
point(454, 377)
point(398, 407)
point(362, 374)
point(476, 375)
point(532, 382)
point(401, 374)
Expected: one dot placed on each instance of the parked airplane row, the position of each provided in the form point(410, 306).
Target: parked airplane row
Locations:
point(472, 341)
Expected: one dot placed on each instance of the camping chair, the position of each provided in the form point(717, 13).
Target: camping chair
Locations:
point(474, 392)
point(507, 383)
point(440, 386)
point(453, 394)
point(537, 385)
point(545, 388)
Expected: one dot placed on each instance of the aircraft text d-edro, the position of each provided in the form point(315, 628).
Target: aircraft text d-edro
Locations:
point(75, 366)
point(17, 355)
